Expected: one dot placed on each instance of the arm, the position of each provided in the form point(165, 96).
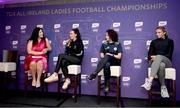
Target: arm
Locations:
point(102, 51)
point(119, 52)
point(67, 46)
point(170, 50)
point(118, 56)
point(77, 49)
point(48, 47)
point(30, 51)
point(80, 49)
point(102, 55)
point(151, 53)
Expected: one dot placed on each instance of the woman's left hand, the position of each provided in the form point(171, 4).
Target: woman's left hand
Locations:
point(153, 57)
point(45, 51)
point(109, 54)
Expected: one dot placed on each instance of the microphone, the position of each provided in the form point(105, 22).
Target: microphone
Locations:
point(69, 42)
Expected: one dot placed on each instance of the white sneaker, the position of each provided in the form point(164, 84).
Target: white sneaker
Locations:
point(147, 84)
point(66, 84)
point(164, 92)
point(52, 78)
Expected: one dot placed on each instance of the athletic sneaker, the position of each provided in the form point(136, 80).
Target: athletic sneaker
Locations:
point(147, 84)
point(66, 83)
point(52, 78)
point(164, 92)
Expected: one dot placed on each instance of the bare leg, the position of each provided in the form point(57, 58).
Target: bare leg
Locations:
point(39, 72)
point(33, 70)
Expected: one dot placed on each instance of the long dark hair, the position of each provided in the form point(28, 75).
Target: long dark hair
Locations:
point(163, 29)
point(35, 35)
point(113, 35)
point(76, 31)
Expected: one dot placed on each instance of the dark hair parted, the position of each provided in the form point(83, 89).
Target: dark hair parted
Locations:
point(35, 35)
point(163, 29)
point(112, 35)
point(76, 31)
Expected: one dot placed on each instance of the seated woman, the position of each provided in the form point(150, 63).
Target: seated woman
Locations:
point(36, 60)
point(74, 53)
point(110, 53)
point(159, 56)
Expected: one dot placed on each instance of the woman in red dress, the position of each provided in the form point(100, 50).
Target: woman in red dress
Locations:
point(36, 61)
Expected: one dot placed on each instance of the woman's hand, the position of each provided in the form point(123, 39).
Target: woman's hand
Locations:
point(153, 57)
point(30, 51)
point(68, 43)
point(44, 51)
point(109, 54)
point(118, 56)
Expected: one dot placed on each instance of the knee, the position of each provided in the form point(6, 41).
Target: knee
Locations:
point(159, 57)
point(162, 66)
point(39, 64)
point(64, 62)
point(107, 65)
point(33, 64)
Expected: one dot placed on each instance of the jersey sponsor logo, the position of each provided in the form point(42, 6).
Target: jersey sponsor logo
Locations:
point(115, 48)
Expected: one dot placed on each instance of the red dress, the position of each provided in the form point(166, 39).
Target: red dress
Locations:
point(35, 58)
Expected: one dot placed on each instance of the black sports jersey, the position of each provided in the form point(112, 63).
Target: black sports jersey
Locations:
point(113, 48)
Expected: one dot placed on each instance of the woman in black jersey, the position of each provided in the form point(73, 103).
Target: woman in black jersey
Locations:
point(110, 53)
point(74, 53)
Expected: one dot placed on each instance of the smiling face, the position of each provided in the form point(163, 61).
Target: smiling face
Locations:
point(41, 34)
point(72, 35)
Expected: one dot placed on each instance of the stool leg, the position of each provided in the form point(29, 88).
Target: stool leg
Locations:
point(59, 83)
point(25, 83)
point(99, 88)
point(42, 81)
point(118, 91)
point(17, 85)
point(174, 92)
point(75, 88)
point(46, 85)
point(5, 81)
point(168, 84)
point(150, 97)
point(79, 81)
